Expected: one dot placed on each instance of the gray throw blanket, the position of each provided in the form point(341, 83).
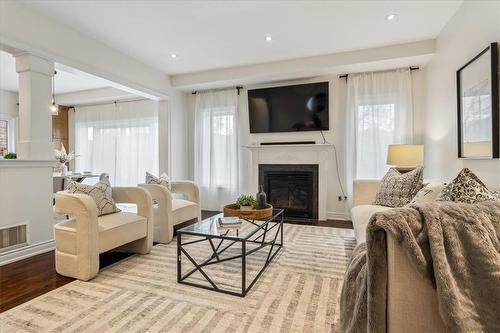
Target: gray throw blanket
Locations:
point(456, 246)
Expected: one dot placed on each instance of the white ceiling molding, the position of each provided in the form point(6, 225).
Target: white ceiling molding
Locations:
point(400, 55)
point(61, 43)
point(93, 96)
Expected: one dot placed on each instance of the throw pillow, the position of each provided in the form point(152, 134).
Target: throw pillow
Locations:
point(429, 192)
point(467, 188)
point(100, 192)
point(162, 180)
point(398, 189)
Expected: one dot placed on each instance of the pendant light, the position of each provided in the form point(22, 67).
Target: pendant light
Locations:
point(54, 107)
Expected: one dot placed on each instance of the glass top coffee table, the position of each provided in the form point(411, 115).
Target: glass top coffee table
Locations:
point(220, 258)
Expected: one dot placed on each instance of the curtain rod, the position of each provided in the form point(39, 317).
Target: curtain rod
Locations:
point(106, 103)
point(412, 68)
point(219, 89)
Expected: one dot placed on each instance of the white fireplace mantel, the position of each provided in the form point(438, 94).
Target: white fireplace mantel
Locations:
point(319, 154)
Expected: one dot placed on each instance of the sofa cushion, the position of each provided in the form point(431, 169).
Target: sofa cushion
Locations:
point(361, 216)
point(184, 210)
point(120, 228)
point(100, 192)
point(398, 189)
point(429, 192)
point(163, 180)
point(467, 188)
point(114, 230)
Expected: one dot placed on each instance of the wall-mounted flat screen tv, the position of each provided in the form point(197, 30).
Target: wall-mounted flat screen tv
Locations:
point(301, 107)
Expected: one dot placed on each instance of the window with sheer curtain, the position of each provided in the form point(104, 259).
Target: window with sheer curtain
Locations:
point(119, 139)
point(4, 136)
point(216, 148)
point(379, 113)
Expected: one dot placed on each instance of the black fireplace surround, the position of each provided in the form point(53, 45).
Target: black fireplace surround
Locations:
point(292, 187)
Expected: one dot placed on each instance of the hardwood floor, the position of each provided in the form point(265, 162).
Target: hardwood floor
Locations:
point(26, 279)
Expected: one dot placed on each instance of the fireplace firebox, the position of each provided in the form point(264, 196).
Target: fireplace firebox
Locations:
point(292, 187)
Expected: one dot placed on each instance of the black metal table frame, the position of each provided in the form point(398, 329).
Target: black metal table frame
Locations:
point(253, 237)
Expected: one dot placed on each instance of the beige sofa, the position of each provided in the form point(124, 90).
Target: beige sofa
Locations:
point(412, 304)
point(81, 239)
point(169, 211)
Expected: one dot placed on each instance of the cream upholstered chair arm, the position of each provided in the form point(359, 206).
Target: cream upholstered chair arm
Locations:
point(164, 216)
point(84, 209)
point(134, 195)
point(188, 188)
point(365, 191)
point(158, 192)
point(144, 202)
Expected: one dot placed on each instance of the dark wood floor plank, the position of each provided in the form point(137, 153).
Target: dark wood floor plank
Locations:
point(26, 279)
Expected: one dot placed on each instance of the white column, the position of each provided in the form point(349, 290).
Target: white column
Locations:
point(35, 99)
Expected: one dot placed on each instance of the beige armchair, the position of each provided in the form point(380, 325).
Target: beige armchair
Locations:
point(80, 240)
point(169, 211)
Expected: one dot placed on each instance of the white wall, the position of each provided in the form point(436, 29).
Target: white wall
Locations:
point(9, 110)
point(475, 25)
point(335, 135)
point(8, 104)
point(32, 206)
point(179, 152)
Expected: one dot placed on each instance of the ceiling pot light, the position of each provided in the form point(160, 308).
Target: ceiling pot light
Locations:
point(269, 38)
point(173, 55)
point(390, 17)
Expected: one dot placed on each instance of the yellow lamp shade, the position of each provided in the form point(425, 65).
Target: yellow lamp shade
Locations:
point(406, 156)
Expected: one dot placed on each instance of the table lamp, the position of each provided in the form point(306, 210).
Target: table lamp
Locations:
point(405, 157)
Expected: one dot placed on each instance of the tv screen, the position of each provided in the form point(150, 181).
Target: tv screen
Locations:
point(301, 107)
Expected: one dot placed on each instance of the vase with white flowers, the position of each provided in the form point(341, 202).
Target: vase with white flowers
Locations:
point(63, 158)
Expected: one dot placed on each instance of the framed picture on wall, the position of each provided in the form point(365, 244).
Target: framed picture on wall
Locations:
point(478, 106)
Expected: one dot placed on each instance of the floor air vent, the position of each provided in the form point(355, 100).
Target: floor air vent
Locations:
point(12, 237)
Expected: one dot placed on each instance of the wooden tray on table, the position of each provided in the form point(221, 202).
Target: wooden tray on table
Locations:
point(252, 214)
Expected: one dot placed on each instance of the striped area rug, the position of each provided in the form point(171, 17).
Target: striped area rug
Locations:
point(298, 292)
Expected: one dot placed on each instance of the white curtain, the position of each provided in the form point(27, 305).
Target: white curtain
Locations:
point(217, 149)
point(379, 113)
point(120, 139)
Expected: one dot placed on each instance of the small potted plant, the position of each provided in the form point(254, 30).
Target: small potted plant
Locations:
point(62, 157)
point(246, 202)
point(9, 156)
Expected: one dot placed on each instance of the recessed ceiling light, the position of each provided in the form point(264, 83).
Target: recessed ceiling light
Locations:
point(269, 38)
point(173, 55)
point(390, 17)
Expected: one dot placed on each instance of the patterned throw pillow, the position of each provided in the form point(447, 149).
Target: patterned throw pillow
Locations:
point(429, 192)
point(467, 188)
point(398, 189)
point(162, 180)
point(100, 192)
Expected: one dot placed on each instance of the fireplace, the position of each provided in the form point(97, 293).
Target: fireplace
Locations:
point(292, 187)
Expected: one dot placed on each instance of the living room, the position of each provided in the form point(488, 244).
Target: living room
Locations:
point(175, 166)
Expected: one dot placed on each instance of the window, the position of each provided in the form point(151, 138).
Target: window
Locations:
point(121, 140)
point(375, 132)
point(379, 113)
point(4, 136)
point(218, 127)
point(216, 148)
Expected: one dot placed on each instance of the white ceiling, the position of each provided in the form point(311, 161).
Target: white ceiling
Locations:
point(217, 34)
point(64, 81)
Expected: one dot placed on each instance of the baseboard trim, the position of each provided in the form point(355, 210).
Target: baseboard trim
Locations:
point(337, 216)
point(26, 252)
